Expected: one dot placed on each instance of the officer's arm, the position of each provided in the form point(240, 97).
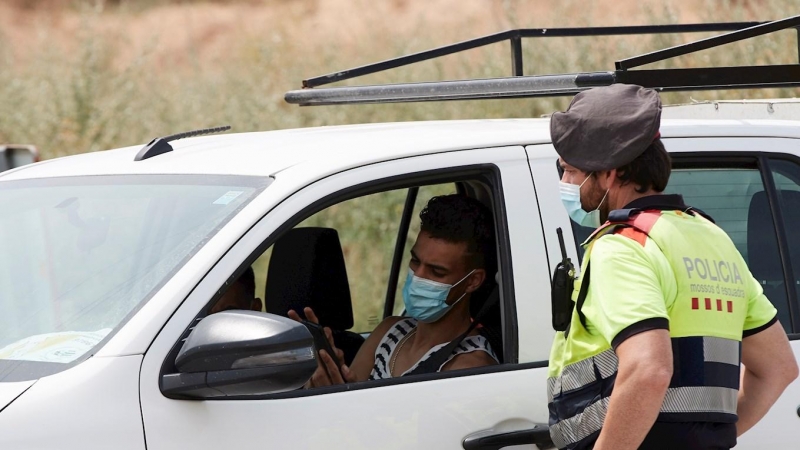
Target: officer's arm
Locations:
point(769, 366)
point(643, 376)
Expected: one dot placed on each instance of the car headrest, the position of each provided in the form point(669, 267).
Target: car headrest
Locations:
point(762, 246)
point(307, 269)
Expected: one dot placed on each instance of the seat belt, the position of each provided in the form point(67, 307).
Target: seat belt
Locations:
point(437, 358)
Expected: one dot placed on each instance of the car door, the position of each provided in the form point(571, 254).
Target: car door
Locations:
point(430, 411)
point(755, 197)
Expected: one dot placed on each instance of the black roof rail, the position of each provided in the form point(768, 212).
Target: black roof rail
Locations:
point(519, 85)
point(160, 145)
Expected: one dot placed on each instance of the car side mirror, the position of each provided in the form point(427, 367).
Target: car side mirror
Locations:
point(242, 353)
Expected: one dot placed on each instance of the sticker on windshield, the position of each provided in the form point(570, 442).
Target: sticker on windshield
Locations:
point(62, 347)
point(228, 197)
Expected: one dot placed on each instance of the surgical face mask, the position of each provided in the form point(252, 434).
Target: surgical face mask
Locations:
point(426, 300)
point(571, 197)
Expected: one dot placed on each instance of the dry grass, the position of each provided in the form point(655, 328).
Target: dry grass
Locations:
point(84, 78)
point(81, 76)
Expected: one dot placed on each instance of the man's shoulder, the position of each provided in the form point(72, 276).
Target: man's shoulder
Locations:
point(470, 360)
point(387, 323)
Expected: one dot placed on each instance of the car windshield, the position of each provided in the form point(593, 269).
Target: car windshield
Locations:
point(82, 254)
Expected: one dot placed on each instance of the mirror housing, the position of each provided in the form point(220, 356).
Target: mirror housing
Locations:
point(242, 353)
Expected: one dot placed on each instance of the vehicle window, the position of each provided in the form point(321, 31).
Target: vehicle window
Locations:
point(787, 181)
point(80, 254)
point(367, 230)
point(339, 261)
point(736, 199)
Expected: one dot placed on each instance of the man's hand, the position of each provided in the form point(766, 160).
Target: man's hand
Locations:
point(327, 373)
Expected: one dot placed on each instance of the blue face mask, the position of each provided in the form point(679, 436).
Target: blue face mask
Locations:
point(571, 197)
point(426, 300)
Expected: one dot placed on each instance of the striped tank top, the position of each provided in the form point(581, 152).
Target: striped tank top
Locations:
point(398, 331)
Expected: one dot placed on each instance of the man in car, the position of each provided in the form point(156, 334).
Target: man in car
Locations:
point(241, 294)
point(452, 256)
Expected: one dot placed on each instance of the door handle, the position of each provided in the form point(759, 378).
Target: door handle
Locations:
point(493, 440)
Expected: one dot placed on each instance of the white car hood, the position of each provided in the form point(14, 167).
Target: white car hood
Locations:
point(10, 391)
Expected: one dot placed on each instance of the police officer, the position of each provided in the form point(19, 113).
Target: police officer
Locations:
point(671, 343)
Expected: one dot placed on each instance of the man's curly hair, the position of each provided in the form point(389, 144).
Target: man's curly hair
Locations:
point(458, 218)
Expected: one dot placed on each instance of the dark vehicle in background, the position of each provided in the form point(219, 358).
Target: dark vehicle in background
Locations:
point(13, 156)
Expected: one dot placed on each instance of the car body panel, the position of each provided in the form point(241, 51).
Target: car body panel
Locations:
point(11, 390)
point(333, 149)
point(92, 406)
point(779, 427)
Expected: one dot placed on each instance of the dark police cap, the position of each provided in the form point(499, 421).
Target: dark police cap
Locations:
point(607, 127)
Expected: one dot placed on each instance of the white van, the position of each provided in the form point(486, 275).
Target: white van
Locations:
point(111, 261)
point(114, 262)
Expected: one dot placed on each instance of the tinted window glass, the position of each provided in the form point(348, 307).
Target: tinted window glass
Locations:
point(787, 182)
point(736, 200)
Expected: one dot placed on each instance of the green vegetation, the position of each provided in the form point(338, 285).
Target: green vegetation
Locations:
point(109, 89)
point(107, 81)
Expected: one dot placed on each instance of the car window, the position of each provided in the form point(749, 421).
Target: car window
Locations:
point(787, 182)
point(339, 261)
point(80, 254)
point(737, 201)
point(367, 229)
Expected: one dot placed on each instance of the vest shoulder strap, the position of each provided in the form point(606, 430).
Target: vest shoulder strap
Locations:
point(632, 223)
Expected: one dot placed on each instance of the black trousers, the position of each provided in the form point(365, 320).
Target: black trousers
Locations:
point(690, 436)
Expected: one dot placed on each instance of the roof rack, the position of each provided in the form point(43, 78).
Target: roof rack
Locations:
point(519, 85)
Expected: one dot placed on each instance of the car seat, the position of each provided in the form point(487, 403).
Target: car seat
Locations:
point(307, 269)
point(491, 323)
point(762, 248)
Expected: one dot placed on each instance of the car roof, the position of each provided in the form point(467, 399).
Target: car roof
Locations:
point(342, 147)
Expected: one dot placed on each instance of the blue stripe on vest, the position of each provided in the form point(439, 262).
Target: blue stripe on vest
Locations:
point(687, 362)
point(721, 375)
point(690, 368)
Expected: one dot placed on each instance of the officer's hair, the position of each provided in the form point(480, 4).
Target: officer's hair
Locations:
point(649, 170)
point(458, 218)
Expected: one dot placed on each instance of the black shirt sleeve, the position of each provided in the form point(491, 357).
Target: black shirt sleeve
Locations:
point(757, 330)
point(656, 323)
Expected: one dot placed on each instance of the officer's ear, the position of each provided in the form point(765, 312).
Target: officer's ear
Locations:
point(606, 179)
